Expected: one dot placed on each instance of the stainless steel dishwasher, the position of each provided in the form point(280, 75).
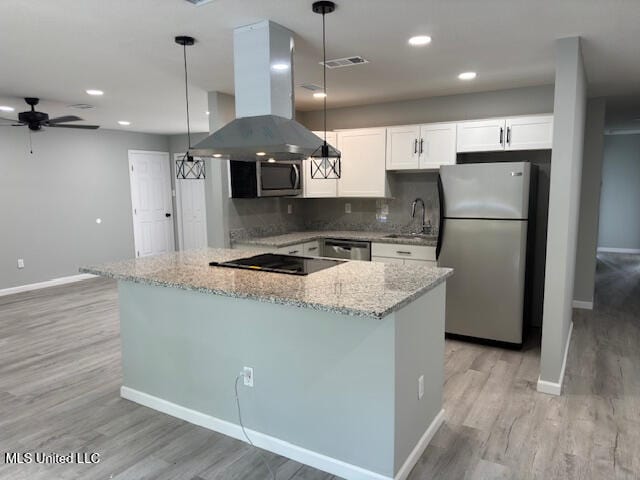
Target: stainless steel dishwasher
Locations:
point(351, 250)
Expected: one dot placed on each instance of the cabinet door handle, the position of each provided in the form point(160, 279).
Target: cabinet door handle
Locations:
point(311, 249)
point(415, 146)
point(421, 145)
point(508, 135)
point(403, 252)
point(293, 251)
point(501, 136)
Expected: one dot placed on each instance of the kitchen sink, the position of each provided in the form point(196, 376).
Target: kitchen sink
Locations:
point(411, 236)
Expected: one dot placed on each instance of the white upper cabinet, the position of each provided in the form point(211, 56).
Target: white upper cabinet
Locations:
point(437, 145)
point(402, 147)
point(421, 147)
point(533, 132)
point(363, 163)
point(481, 135)
point(529, 133)
point(320, 187)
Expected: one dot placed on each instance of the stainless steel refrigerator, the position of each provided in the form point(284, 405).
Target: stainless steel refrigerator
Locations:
point(484, 225)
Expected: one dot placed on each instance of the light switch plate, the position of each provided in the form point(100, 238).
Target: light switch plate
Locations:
point(289, 208)
point(347, 208)
point(21, 263)
point(421, 387)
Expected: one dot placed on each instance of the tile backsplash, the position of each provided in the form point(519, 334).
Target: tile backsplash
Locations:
point(250, 218)
point(389, 214)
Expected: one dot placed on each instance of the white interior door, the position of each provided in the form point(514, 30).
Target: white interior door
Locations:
point(192, 213)
point(150, 177)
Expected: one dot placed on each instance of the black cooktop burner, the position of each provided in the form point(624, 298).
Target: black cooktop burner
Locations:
point(272, 262)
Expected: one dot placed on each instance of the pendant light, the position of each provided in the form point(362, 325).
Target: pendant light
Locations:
point(188, 168)
point(325, 161)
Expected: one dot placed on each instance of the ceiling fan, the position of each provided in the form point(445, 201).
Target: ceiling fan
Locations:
point(36, 120)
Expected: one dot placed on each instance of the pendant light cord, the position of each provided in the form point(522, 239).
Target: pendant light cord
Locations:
point(324, 75)
point(186, 94)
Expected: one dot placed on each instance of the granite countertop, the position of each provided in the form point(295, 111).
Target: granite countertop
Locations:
point(300, 237)
point(367, 289)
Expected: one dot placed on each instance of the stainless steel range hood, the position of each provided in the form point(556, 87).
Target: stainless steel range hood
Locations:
point(265, 125)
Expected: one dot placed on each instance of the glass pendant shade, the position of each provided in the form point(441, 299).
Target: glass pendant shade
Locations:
point(190, 168)
point(325, 162)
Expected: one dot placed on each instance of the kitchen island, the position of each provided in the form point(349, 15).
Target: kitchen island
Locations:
point(339, 356)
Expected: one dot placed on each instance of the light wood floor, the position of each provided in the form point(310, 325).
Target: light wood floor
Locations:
point(60, 377)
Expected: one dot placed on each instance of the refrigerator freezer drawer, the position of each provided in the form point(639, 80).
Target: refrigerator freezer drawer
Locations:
point(486, 190)
point(485, 295)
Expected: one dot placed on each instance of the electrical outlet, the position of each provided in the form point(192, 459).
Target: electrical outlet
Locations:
point(384, 210)
point(347, 208)
point(421, 387)
point(21, 263)
point(248, 376)
point(289, 208)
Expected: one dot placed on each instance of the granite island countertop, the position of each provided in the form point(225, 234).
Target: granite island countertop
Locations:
point(367, 289)
point(293, 238)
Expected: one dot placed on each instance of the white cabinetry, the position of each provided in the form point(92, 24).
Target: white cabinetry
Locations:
point(403, 254)
point(481, 135)
point(421, 147)
point(363, 163)
point(402, 147)
point(529, 133)
point(320, 187)
point(534, 132)
point(437, 145)
point(297, 249)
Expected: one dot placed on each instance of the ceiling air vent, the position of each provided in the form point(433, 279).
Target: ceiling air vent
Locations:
point(345, 62)
point(81, 106)
point(197, 3)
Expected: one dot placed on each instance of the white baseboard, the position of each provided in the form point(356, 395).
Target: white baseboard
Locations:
point(618, 250)
point(555, 388)
point(281, 447)
point(49, 283)
point(583, 305)
point(420, 447)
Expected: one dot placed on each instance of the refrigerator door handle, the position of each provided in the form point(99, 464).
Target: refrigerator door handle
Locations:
point(441, 217)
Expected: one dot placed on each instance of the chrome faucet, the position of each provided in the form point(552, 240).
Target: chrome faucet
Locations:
point(425, 227)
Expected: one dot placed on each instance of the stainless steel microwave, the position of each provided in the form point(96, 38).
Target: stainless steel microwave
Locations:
point(265, 179)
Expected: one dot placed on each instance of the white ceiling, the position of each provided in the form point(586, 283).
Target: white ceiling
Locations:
point(57, 49)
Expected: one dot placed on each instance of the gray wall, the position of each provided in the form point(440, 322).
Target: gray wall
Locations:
point(619, 218)
point(51, 199)
point(517, 101)
point(585, 276)
point(564, 203)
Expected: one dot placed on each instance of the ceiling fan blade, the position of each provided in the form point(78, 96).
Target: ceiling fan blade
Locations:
point(84, 127)
point(11, 120)
point(67, 118)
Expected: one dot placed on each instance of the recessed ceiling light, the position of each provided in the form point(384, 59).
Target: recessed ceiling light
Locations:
point(280, 66)
point(467, 76)
point(95, 93)
point(124, 122)
point(420, 40)
point(272, 160)
point(260, 154)
point(319, 95)
point(207, 113)
point(4, 108)
point(217, 155)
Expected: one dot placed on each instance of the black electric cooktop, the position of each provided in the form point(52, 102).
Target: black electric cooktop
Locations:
point(272, 262)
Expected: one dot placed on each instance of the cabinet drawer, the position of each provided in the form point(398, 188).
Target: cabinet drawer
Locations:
point(417, 252)
point(399, 261)
point(312, 249)
point(297, 249)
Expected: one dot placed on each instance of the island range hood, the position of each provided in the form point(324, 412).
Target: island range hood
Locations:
point(265, 126)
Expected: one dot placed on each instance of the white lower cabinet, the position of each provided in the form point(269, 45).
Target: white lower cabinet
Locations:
point(297, 249)
point(312, 249)
point(403, 254)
